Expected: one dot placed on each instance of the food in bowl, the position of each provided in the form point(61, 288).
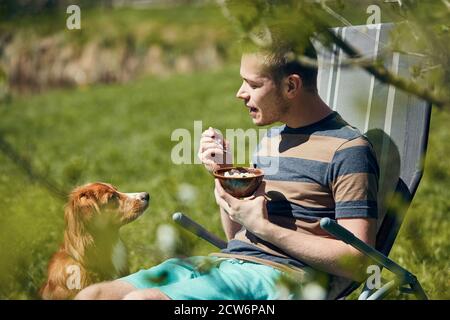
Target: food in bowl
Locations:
point(238, 174)
point(240, 182)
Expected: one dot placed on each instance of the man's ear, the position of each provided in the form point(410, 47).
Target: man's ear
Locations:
point(293, 85)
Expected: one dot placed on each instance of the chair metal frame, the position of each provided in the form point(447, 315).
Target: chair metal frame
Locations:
point(404, 278)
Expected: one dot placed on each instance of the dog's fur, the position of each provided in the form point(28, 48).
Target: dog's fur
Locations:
point(92, 250)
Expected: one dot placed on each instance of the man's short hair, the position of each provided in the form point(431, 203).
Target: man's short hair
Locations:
point(281, 62)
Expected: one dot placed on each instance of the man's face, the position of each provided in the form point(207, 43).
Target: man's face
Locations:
point(259, 92)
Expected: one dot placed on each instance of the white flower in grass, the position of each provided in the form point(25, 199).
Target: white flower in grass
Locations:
point(167, 239)
point(186, 193)
point(313, 291)
point(283, 292)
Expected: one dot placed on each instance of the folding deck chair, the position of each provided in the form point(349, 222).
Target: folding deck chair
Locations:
point(397, 125)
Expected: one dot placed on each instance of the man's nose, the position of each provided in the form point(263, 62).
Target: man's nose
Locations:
point(241, 94)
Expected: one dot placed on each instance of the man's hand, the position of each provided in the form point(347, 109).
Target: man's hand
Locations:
point(214, 151)
point(250, 212)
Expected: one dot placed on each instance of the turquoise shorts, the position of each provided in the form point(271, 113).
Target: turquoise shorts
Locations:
point(209, 278)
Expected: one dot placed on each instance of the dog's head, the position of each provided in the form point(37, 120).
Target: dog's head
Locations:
point(98, 205)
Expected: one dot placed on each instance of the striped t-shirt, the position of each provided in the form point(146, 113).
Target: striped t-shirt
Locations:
point(326, 169)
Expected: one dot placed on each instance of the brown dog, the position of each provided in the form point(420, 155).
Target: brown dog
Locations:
point(92, 250)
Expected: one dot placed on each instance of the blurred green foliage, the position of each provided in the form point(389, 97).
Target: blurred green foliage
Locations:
point(184, 26)
point(15, 9)
point(424, 24)
point(37, 52)
point(121, 134)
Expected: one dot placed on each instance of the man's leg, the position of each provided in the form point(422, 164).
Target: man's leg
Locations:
point(230, 280)
point(143, 281)
point(146, 294)
point(113, 290)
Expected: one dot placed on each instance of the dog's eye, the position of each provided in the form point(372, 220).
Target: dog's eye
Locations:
point(113, 198)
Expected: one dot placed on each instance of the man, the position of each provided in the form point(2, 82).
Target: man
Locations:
point(326, 168)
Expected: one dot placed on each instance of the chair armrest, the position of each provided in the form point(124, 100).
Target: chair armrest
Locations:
point(340, 233)
point(198, 230)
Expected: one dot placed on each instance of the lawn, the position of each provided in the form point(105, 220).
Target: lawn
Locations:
point(116, 134)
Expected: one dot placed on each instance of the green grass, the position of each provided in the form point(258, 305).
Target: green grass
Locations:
point(423, 245)
point(178, 29)
point(124, 19)
point(117, 134)
point(121, 134)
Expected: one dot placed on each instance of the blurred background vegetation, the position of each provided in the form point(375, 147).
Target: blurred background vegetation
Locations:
point(101, 103)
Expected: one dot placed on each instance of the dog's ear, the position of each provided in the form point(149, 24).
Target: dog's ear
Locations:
point(78, 211)
point(72, 216)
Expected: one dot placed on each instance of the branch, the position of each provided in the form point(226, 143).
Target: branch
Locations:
point(24, 164)
point(263, 41)
point(355, 58)
point(334, 14)
point(345, 63)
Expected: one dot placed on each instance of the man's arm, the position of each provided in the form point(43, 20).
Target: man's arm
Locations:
point(326, 254)
point(229, 227)
point(211, 154)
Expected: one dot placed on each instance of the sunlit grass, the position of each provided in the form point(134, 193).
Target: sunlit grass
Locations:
point(117, 134)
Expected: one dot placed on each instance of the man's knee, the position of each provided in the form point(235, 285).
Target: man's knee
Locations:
point(90, 293)
point(146, 294)
point(113, 290)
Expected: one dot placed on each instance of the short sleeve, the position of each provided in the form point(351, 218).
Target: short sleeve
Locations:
point(353, 179)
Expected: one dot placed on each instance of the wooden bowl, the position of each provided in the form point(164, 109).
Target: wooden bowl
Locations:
point(240, 187)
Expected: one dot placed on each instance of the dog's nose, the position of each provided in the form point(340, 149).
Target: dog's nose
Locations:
point(144, 196)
